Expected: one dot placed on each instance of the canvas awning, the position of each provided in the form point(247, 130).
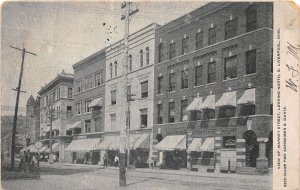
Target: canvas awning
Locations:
point(43, 148)
point(83, 145)
point(248, 97)
point(110, 143)
point(32, 148)
point(96, 102)
point(77, 124)
point(139, 141)
point(209, 102)
point(54, 148)
point(208, 145)
point(170, 143)
point(195, 104)
point(227, 99)
point(195, 145)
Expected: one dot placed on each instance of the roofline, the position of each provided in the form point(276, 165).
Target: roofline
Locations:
point(55, 80)
point(85, 60)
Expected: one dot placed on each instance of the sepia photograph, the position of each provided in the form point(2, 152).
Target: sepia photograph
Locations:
point(150, 95)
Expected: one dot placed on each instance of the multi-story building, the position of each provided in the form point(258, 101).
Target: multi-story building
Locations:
point(32, 119)
point(140, 95)
point(213, 81)
point(89, 103)
point(56, 107)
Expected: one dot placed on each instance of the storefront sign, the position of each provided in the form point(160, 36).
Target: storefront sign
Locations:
point(229, 141)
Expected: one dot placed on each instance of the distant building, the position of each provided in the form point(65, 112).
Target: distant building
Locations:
point(33, 119)
point(213, 81)
point(56, 98)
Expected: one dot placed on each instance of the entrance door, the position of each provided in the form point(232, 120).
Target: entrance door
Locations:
point(270, 150)
point(251, 148)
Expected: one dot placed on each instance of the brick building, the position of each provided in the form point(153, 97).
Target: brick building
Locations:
point(213, 81)
point(89, 103)
point(56, 96)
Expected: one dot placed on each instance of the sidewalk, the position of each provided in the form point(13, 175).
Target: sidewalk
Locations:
point(183, 172)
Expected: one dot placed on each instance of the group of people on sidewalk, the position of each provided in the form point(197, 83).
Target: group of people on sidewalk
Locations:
point(29, 161)
point(116, 161)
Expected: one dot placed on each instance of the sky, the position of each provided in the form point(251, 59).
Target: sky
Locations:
point(63, 33)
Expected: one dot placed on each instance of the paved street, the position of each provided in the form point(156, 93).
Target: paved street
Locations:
point(59, 176)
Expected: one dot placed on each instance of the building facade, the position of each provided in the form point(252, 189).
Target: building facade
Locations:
point(213, 81)
point(56, 109)
point(33, 119)
point(89, 103)
point(140, 95)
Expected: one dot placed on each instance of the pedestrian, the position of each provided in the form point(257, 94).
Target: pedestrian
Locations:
point(105, 160)
point(54, 158)
point(86, 157)
point(116, 160)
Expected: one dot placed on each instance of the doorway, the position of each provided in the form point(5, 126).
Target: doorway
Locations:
point(251, 148)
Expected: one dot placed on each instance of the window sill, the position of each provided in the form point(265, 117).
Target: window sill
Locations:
point(211, 83)
point(198, 86)
point(251, 74)
point(183, 89)
point(230, 79)
point(171, 91)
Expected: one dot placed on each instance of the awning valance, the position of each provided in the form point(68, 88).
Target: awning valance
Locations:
point(195, 145)
point(83, 144)
point(96, 102)
point(208, 145)
point(109, 143)
point(195, 104)
point(170, 143)
point(248, 97)
point(227, 99)
point(77, 124)
point(209, 102)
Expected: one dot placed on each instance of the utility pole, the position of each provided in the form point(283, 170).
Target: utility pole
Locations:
point(50, 137)
point(124, 95)
point(13, 136)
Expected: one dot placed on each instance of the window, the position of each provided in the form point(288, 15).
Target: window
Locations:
point(110, 70)
point(112, 122)
point(69, 111)
point(230, 67)
point(58, 93)
point(212, 36)
point(185, 46)
point(208, 114)
point(226, 111)
point(198, 75)
point(70, 95)
point(129, 93)
point(196, 115)
point(171, 112)
point(147, 56)
point(78, 108)
point(199, 40)
point(144, 89)
point(58, 112)
point(172, 82)
point(98, 79)
point(184, 79)
point(141, 58)
point(251, 62)
point(79, 86)
point(86, 106)
point(160, 52)
point(184, 113)
point(211, 73)
point(54, 95)
point(87, 126)
point(47, 101)
point(88, 82)
point(251, 18)
point(113, 97)
point(247, 109)
point(172, 50)
point(231, 28)
point(159, 85)
point(130, 62)
point(159, 113)
point(116, 68)
point(143, 116)
point(42, 118)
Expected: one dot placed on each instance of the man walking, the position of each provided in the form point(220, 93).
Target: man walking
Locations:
point(116, 160)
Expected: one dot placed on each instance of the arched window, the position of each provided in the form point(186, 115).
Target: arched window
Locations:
point(116, 68)
point(110, 70)
point(141, 57)
point(251, 18)
point(130, 62)
point(147, 55)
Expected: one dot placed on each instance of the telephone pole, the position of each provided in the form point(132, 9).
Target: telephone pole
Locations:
point(124, 95)
point(13, 136)
point(50, 137)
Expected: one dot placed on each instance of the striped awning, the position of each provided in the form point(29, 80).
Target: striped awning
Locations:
point(83, 145)
point(54, 148)
point(109, 143)
point(227, 99)
point(96, 102)
point(139, 141)
point(195, 104)
point(248, 97)
point(209, 102)
point(43, 148)
point(208, 145)
point(77, 124)
point(195, 145)
point(170, 143)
